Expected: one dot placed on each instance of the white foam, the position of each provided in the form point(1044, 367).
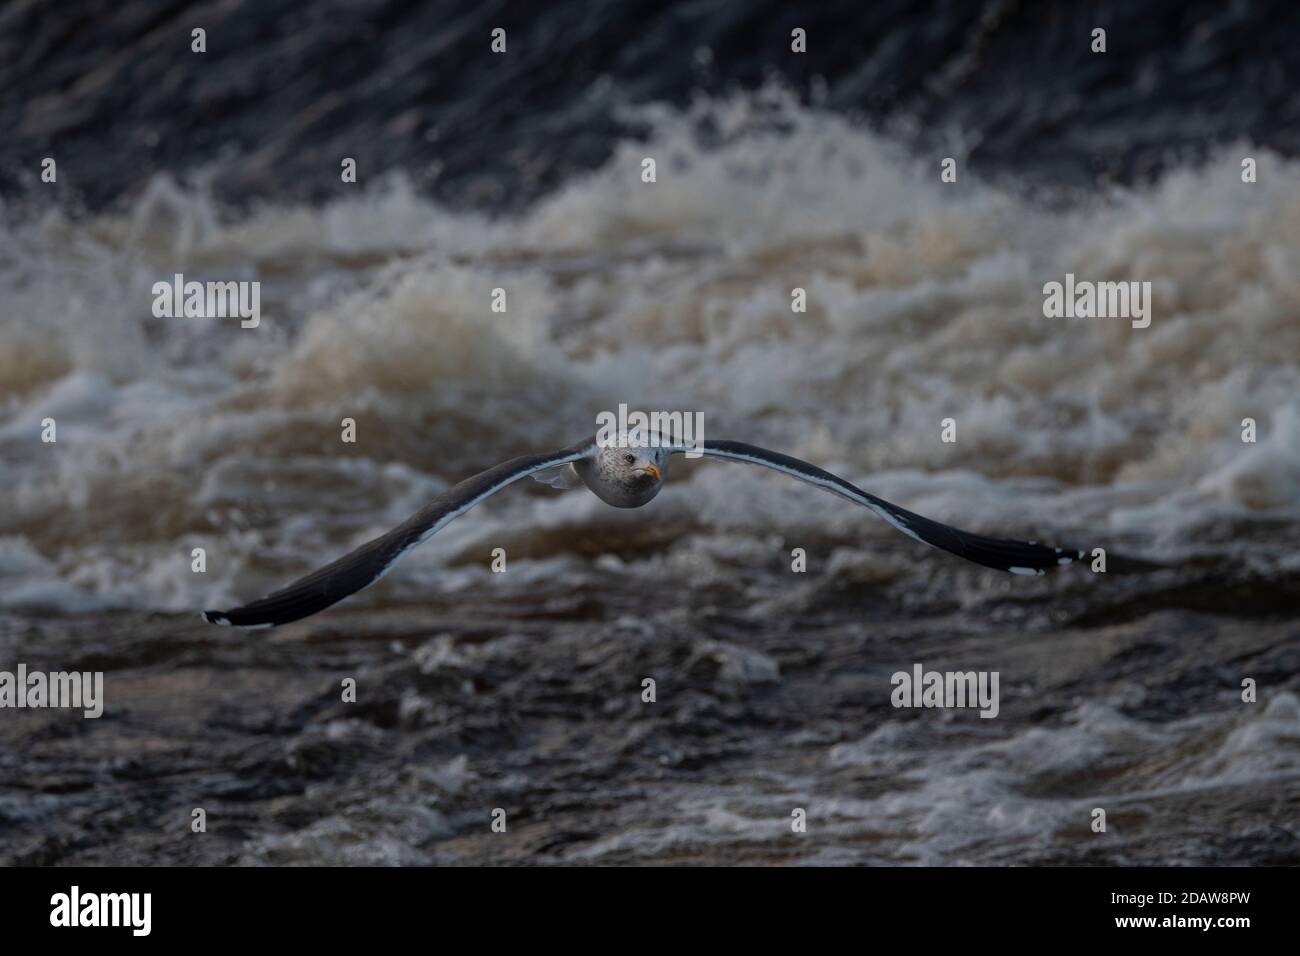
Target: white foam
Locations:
point(924, 303)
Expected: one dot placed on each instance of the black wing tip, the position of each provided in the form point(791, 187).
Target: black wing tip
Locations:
point(1066, 556)
point(1037, 559)
point(225, 619)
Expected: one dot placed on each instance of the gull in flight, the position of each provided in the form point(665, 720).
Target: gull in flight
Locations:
point(626, 474)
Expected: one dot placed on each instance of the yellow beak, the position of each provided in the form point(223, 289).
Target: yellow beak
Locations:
point(652, 471)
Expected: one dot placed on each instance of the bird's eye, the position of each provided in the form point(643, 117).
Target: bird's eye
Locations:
point(629, 458)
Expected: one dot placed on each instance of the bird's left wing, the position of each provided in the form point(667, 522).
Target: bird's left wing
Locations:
point(362, 567)
point(1018, 557)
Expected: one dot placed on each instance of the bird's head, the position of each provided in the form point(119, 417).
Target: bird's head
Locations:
point(627, 475)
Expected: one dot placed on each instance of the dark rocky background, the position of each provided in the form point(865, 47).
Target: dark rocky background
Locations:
point(109, 90)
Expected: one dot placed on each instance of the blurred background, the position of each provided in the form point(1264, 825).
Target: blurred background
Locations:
point(775, 170)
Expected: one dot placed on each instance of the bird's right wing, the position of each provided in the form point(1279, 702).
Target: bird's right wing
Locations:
point(563, 477)
point(365, 565)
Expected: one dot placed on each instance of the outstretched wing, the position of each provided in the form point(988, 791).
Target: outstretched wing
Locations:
point(364, 566)
point(1018, 557)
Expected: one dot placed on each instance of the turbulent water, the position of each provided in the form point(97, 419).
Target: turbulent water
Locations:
point(924, 303)
point(522, 690)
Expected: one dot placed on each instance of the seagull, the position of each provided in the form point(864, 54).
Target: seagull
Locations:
point(626, 473)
